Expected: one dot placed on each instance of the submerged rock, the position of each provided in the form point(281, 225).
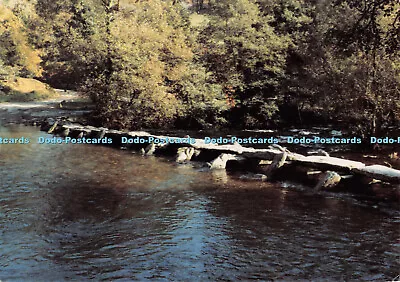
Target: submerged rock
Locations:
point(220, 161)
point(65, 132)
point(149, 150)
point(329, 179)
point(185, 154)
point(254, 177)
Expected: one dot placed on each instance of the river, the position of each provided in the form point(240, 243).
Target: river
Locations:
point(91, 212)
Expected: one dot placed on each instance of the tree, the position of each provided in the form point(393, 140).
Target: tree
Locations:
point(16, 52)
point(330, 70)
point(65, 34)
point(149, 76)
point(371, 35)
point(247, 57)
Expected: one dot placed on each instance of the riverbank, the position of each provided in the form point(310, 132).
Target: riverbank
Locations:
point(67, 104)
point(19, 89)
point(368, 174)
point(274, 163)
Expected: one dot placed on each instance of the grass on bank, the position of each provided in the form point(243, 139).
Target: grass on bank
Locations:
point(25, 90)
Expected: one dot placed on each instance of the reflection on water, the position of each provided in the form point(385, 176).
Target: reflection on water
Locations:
point(81, 212)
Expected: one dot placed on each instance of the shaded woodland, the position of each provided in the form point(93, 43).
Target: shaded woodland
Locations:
point(213, 64)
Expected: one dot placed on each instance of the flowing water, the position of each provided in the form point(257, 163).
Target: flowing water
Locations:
point(90, 212)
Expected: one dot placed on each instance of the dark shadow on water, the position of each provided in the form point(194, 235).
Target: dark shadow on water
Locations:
point(81, 212)
point(287, 235)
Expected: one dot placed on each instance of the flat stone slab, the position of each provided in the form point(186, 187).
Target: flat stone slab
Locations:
point(331, 162)
point(380, 172)
point(137, 133)
point(260, 154)
point(322, 162)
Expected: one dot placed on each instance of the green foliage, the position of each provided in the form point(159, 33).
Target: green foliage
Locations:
point(215, 63)
point(16, 52)
point(341, 72)
point(374, 26)
point(150, 77)
point(65, 33)
point(288, 17)
point(246, 54)
point(5, 71)
point(242, 47)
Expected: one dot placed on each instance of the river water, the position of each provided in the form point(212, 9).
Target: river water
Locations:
point(90, 212)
